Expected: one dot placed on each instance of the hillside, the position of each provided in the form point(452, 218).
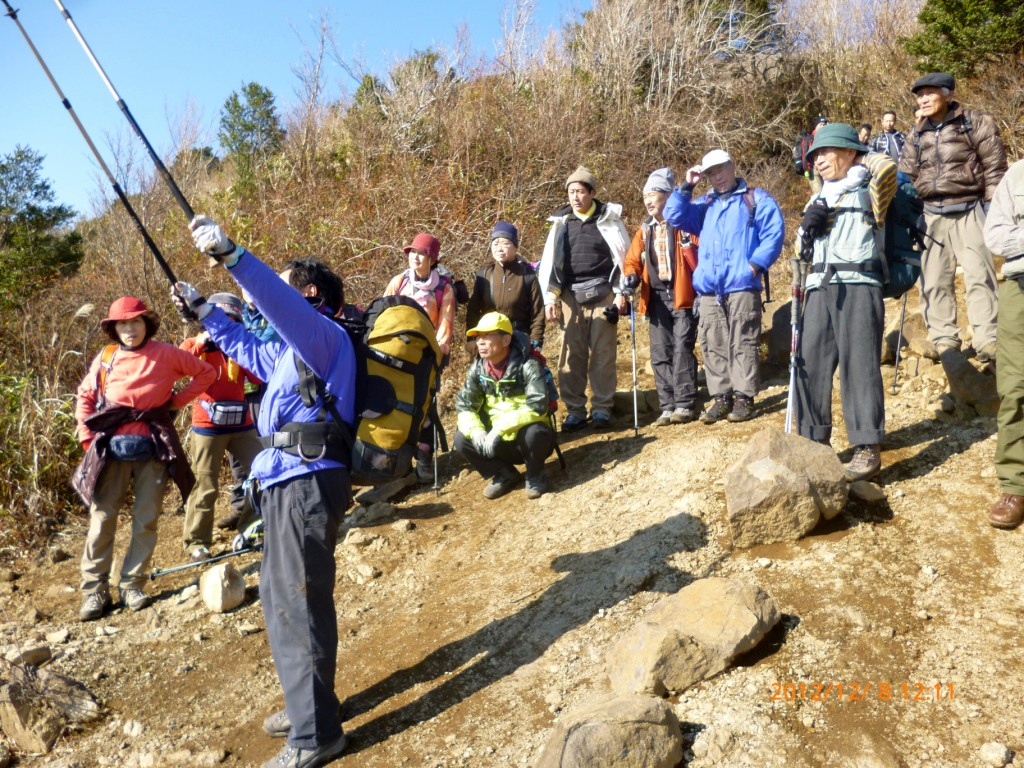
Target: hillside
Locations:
point(472, 625)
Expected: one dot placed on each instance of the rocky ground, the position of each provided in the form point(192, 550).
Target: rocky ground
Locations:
point(468, 627)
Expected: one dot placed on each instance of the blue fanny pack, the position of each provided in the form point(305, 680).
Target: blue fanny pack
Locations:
point(132, 448)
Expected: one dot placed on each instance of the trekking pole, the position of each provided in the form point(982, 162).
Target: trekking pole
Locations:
point(437, 485)
point(218, 558)
point(899, 345)
point(99, 158)
point(799, 273)
point(168, 179)
point(632, 335)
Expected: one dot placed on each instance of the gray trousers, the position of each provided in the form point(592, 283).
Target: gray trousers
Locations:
point(673, 336)
point(842, 326)
point(532, 446)
point(301, 519)
point(730, 331)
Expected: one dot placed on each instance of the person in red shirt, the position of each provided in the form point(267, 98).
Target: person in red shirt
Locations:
point(125, 414)
point(221, 423)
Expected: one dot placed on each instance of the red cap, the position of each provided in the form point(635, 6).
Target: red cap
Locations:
point(127, 308)
point(428, 244)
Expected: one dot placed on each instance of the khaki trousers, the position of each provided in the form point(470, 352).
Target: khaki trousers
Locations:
point(958, 240)
point(730, 332)
point(207, 454)
point(588, 351)
point(150, 485)
point(1010, 383)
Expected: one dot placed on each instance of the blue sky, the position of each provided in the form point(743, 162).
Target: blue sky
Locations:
point(167, 56)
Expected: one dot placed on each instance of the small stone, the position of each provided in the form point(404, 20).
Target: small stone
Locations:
point(222, 588)
point(33, 616)
point(358, 538)
point(58, 637)
point(7, 575)
point(56, 555)
point(368, 571)
point(923, 615)
point(248, 629)
point(764, 562)
point(29, 654)
point(995, 754)
point(866, 491)
point(927, 570)
point(132, 729)
point(198, 637)
point(403, 525)
point(554, 700)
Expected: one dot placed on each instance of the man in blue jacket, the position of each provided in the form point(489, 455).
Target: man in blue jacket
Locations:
point(741, 235)
point(302, 473)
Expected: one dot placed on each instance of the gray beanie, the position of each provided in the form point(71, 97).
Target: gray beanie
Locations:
point(583, 176)
point(662, 180)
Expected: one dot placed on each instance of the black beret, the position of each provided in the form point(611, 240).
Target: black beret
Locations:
point(936, 80)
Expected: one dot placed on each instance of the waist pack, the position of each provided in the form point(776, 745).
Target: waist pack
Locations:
point(225, 413)
point(398, 360)
point(132, 448)
point(591, 291)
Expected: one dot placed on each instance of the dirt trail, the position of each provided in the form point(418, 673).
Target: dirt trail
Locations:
point(489, 618)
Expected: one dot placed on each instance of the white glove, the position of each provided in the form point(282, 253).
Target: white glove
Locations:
point(211, 239)
point(485, 443)
point(189, 302)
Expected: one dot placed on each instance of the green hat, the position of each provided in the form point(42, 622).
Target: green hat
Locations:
point(837, 135)
point(492, 321)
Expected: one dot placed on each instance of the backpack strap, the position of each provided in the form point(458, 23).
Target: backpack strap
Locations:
point(751, 200)
point(106, 363)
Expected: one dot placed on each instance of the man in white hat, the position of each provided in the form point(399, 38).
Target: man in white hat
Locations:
point(741, 235)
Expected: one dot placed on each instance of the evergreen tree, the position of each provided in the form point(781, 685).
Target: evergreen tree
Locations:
point(250, 129)
point(36, 244)
point(958, 36)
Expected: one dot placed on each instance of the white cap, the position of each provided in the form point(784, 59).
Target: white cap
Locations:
point(713, 158)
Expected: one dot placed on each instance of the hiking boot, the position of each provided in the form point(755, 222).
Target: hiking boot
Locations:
point(987, 354)
point(230, 520)
point(934, 351)
point(279, 725)
point(573, 423)
point(664, 420)
point(719, 409)
point(866, 462)
point(1008, 512)
point(536, 486)
point(742, 408)
point(135, 599)
point(94, 605)
point(303, 757)
point(199, 554)
point(600, 420)
point(683, 415)
point(502, 483)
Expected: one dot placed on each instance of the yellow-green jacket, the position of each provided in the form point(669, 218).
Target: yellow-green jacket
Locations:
point(518, 399)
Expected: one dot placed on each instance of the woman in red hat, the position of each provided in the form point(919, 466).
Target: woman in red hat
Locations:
point(423, 283)
point(125, 414)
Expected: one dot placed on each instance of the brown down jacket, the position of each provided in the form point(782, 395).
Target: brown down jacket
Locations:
point(950, 165)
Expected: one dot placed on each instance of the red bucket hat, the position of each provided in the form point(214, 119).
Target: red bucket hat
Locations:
point(428, 244)
point(128, 308)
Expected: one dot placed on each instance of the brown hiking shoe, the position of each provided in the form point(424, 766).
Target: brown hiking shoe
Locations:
point(719, 409)
point(1008, 512)
point(987, 354)
point(742, 408)
point(866, 462)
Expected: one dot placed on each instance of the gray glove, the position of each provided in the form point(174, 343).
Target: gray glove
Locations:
point(210, 238)
point(190, 304)
point(629, 285)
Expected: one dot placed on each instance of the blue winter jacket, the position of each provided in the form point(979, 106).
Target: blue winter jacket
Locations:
point(729, 241)
point(321, 343)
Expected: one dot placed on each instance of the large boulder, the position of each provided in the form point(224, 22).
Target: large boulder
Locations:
point(222, 588)
point(969, 385)
point(691, 636)
point(626, 732)
point(780, 487)
point(914, 336)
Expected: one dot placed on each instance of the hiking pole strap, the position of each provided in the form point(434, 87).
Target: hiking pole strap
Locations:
point(164, 173)
point(96, 153)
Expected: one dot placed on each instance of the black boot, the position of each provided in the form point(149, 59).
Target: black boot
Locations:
point(720, 408)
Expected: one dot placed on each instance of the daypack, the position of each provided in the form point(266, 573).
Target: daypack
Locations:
point(803, 143)
point(549, 378)
point(903, 242)
point(398, 361)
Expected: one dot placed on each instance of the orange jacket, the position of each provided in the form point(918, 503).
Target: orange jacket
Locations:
point(682, 269)
point(223, 387)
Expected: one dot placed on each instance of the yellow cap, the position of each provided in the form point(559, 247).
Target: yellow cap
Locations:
point(492, 321)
